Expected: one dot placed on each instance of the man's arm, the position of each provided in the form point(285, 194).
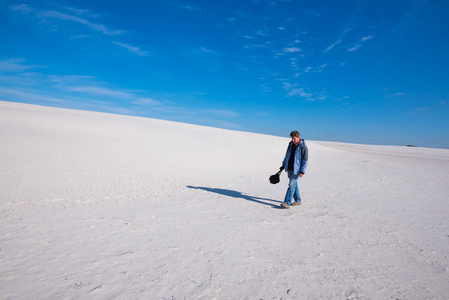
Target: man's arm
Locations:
point(304, 160)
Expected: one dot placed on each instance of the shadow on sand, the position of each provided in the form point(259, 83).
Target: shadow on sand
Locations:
point(235, 194)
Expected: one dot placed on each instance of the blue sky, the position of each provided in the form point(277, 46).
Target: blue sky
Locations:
point(372, 72)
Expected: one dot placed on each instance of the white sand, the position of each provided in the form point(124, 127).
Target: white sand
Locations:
point(99, 206)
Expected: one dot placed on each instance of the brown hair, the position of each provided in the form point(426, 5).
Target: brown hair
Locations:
point(294, 133)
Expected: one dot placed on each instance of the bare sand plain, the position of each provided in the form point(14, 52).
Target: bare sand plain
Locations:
point(102, 206)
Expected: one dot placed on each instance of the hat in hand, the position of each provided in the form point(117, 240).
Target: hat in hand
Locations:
point(275, 178)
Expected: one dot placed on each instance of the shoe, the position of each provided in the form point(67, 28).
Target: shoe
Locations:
point(285, 205)
point(296, 203)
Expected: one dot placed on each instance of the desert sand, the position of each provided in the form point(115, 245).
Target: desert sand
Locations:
point(102, 206)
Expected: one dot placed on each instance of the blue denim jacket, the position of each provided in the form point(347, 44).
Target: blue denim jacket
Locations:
point(301, 158)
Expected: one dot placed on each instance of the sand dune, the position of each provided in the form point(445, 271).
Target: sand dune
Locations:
point(100, 206)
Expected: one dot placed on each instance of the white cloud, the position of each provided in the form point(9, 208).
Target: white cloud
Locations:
point(22, 8)
point(65, 17)
point(347, 30)
point(322, 66)
point(30, 96)
point(313, 13)
point(77, 10)
point(315, 70)
point(147, 101)
point(262, 32)
point(417, 110)
point(188, 7)
point(266, 89)
point(132, 49)
point(206, 50)
point(90, 85)
point(291, 50)
point(96, 90)
point(332, 46)
point(293, 90)
point(364, 39)
point(254, 46)
point(355, 48)
point(74, 91)
point(72, 79)
point(299, 92)
point(80, 36)
point(224, 113)
point(13, 65)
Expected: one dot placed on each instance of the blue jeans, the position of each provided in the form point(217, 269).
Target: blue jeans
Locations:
point(292, 191)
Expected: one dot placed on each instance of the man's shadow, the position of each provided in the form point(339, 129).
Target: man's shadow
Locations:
point(236, 194)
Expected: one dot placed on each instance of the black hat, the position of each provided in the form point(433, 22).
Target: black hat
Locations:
point(274, 178)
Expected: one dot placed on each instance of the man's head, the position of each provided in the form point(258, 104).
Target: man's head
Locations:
point(295, 137)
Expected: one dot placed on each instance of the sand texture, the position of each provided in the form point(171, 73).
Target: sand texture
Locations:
point(101, 206)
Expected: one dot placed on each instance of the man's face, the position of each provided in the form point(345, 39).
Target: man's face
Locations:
point(295, 140)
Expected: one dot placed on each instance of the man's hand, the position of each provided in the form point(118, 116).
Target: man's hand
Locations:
point(301, 175)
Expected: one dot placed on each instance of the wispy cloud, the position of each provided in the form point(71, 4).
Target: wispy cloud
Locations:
point(80, 18)
point(207, 50)
point(340, 39)
point(15, 74)
point(291, 50)
point(417, 110)
point(96, 90)
point(332, 46)
point(363, 39)
point(21, 95)
point(83, 92)
point(147, 101)
point(315, 70)
point(262, 32)
point(51, 14)
point(80, 36)
point(294, 90)
point(188, 7)
point(265, 88)
point(221, 113)
point(299, 92)
point(22, 8)
point(255, 46)
point(347, 30)
point(313, 13)
point(65, 17)
point(72, 79)
point(78, 11)
point(14, 65)
point(398, 94)
point(355, 48)
point(132, 49)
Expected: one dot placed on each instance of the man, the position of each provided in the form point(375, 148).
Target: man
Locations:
point(295, 164)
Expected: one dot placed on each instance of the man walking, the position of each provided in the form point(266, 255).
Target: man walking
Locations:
point(295, 164)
